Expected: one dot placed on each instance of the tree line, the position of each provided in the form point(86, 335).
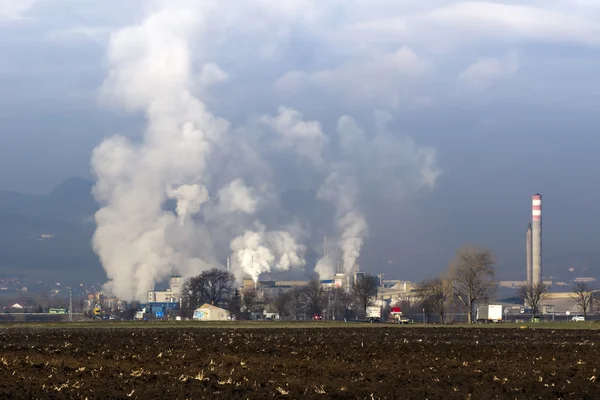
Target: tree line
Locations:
point(217, 287)
point(470, 280)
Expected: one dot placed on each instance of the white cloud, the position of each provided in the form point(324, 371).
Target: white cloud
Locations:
point(387, 80)
point(484, 73)
point(14, 9)
point(358, 54)
point(95, 34)
point(514, 21)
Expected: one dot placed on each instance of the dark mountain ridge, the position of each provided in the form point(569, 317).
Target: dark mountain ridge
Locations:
point(49, 236)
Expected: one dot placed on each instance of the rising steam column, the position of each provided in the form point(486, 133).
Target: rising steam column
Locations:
point(536, 239)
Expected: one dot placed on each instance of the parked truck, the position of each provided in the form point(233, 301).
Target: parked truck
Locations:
point(489, 313)
point(396, 316)
point(373, 313)
point(139, 315)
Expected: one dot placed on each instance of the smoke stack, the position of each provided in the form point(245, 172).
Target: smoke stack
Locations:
point(528, 253)
point(536, 239)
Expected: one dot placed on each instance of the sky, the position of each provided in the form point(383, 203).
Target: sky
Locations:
point(492, 102)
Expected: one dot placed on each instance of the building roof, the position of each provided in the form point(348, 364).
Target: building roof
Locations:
point(206, 305)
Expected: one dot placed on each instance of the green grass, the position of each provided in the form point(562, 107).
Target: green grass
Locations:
point(286, 324)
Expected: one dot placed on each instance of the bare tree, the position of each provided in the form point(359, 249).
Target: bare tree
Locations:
point(314, 295)
point(342, 304)
point(296, 302)
point(584, 297)
point(534, 295)
point(280, 302)
point(436, 294)
point(234, 304)
point(249, 300)
point(472, 273)
point(365, 288)
point(213, 286)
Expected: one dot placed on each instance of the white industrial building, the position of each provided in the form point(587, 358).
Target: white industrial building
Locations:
point(208, 312)
point(171, 295)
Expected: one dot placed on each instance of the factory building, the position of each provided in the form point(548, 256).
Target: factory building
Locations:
point(171, 295)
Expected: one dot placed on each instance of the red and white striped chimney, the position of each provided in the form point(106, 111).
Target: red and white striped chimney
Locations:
point(536, 239)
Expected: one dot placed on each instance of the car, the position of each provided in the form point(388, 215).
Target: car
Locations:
point(578, 318)
point(318, 317)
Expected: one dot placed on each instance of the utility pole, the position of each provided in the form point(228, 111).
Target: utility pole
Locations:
point(70, 305)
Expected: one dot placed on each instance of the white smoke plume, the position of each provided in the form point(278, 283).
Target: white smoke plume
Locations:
point(190, 191)
point(324, 267)
point(137, 241)
point(341, 189)
point(189, 199)
point(237, 197)
point(395, 160)
point(255, 252)
point(305, 137)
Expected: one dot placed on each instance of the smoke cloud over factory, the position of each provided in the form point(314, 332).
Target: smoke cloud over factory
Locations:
point(194, 190)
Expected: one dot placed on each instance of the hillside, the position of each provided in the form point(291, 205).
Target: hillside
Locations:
point(49, 236)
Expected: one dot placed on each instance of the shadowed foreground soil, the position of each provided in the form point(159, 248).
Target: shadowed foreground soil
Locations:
point(189, 363)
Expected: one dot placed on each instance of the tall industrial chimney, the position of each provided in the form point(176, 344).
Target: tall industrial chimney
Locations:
point(536, 239)
point(528, 253)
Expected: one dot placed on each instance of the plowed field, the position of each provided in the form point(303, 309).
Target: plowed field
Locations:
point(391, 363)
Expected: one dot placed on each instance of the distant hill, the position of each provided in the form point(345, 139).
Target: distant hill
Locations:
point(49, 236)
point(71, 200)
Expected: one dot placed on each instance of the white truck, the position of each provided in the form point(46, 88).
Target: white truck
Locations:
point(489, 313)
point(373, 313)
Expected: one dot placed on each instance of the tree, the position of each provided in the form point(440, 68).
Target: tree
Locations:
point(365, 288)
point(341, 304)
point(249, 300)
point(234, 304)
point(472, 272)
point(584, 297)
point(436, 294)
point(296, 302)
point(280, 302)
point(534, 295)
point(213, 286)
point(314, 296)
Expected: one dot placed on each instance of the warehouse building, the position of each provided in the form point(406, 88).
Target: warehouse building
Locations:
point(208, 312)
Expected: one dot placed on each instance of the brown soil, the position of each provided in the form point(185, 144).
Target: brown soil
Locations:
point(411, 363)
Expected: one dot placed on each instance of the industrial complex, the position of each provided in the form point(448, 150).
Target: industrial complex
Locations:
point(167, 303)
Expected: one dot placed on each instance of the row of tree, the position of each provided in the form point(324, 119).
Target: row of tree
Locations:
point(217, 287)
point(470, 280)
point(583, 294)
